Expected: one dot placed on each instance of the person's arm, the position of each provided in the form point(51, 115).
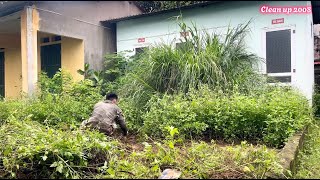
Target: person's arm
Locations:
point(121, 122)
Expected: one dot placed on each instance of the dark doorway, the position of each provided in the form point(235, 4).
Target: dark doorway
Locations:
point(315, 12)
point(51, 59)
point(1, 74)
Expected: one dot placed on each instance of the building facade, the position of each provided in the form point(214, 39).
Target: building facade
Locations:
point(44, 36)
point(284, 41)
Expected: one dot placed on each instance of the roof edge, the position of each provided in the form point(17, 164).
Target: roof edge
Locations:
point(14, 9)
point(160, 12)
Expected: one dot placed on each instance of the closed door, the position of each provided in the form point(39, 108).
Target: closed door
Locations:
point(51, 59)
point(278, 55)
point(2, 74)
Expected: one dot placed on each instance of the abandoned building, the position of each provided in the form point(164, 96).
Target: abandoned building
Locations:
point(44, 36)
point(284, 41)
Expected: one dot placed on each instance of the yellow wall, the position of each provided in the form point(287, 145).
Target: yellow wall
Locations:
point(12, 66)
point(13, 82)
point(10, 40)
point(72, 56)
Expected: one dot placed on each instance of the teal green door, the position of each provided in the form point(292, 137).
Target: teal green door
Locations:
point(1, 74)
point(51, 59)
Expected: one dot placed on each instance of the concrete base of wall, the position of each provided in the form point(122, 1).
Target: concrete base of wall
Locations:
point(288, 154)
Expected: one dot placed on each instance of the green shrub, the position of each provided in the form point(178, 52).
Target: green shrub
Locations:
point(271, 117)
point(107, 79)
point(59, 102)
point(11, 108)
point(132, 113)
point(54, 85)
point(288, 112)
point(62, 101)
point(30, 150)
point(316, 102)
point(308, 166)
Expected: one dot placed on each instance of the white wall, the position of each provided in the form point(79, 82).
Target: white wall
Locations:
point(215, 17)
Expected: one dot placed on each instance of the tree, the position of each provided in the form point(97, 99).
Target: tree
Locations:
point(153, 6)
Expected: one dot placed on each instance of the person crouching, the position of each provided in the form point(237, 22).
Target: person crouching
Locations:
point(105, 116)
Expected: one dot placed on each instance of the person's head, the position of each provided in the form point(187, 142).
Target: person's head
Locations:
point(112, 97)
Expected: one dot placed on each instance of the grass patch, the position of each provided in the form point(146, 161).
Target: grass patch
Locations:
point(308, 158)
point(32, 150)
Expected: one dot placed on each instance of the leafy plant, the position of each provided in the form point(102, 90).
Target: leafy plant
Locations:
point(106, 79)
point(316, 101)
point(61, 101)
point(11, 108)
point(308, 157)
point(31, 150)
point(95, 76)
point(56, 84)
point(271, 117)
point(87, 72)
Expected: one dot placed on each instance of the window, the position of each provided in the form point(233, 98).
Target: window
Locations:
point(45, 40)
point(56, 38)
point(139, 50)
point(278, 54)
point(50, 39)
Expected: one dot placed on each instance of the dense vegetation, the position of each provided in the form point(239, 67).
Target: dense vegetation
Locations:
point(153, 6)
point(32, 150)
point(308, 159)
point(208, 89)
point(232, 117)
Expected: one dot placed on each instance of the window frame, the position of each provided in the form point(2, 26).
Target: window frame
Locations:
point(51, 40)
point(293, 55)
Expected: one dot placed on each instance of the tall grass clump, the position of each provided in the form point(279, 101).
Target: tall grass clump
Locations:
point(220, 61)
